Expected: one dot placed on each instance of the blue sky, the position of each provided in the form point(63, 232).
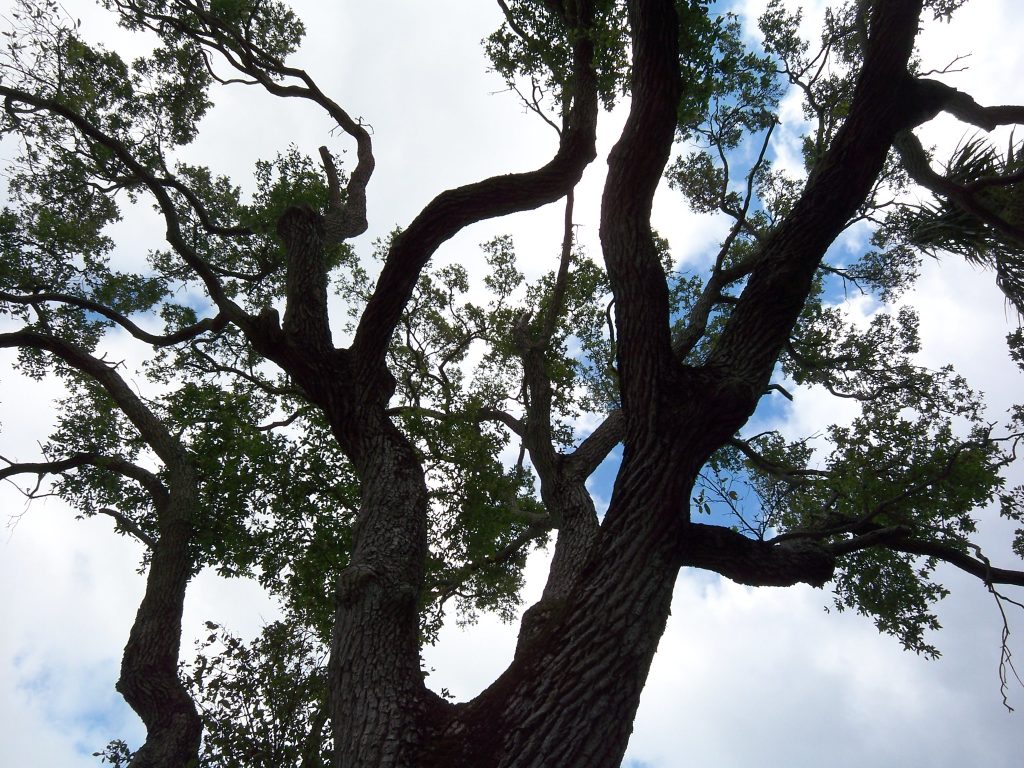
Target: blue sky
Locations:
point(741, 674)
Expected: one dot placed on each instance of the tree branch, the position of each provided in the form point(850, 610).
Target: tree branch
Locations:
point(899, 538)
point(152, 430)
point(963, 561)
point(121, 466)
point(554, 308)
point(915, 161)
point(156, 185)
point(754, 562)
point(187, 333)
point(596, 446)
point(744, 355)
point(776, 470)
point(129, 526)
point(483, 414)
point(635, 167)
point(455, 209)
point(931, 97)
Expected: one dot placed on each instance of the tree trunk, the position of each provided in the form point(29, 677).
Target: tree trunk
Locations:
point(378, 699)
point(571, 694)
point(149, 678)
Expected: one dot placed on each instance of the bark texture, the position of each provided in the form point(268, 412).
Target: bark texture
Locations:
point(570, 695)
point(149, 668)
point(571, 692)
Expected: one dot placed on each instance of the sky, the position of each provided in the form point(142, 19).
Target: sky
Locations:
point(743, 676)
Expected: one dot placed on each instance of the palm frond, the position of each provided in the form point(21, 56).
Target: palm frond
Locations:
point(994, 179)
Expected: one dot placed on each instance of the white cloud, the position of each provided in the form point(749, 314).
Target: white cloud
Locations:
point(70, 594)
point(753, 677)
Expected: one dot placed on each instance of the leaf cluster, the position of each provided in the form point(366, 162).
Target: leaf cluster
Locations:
point(535, 44)
point(263, 703)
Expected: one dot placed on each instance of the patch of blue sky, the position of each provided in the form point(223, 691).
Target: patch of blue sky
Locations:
point(195, 298)
point(847, 249)
point(78, 701)
point(773, 409)
point(853, 242)
point(602, 480)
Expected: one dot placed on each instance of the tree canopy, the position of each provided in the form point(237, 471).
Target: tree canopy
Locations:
point(380, 435)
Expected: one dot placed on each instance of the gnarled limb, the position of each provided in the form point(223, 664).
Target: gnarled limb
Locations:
point(754, 562)
point(195, 21)
point(932, 96)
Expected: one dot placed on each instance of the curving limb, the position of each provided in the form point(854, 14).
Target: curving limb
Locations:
point(195, 21)
point(635, 167)
point(453, 210)
point(930, 97)
point(117, 464)
point(206, 325)
point(785, 562)
point(915, 161)
point(902, 539)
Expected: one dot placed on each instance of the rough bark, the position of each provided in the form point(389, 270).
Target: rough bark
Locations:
point(378, 699)
point(380, 708)
point(305, 317)
point(563, 488)
point(149, 667)
point(377, 696)
point(570, 695)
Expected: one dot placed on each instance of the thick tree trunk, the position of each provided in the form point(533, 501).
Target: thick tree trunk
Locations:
point(570, 502)
point(379, 703)
point(571, 694)
point(379, 706)
point(149, 678)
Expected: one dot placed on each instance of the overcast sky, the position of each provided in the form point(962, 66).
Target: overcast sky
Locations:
point(743, 677)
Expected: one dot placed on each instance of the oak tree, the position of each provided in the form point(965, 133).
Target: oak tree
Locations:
point(378, 440)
